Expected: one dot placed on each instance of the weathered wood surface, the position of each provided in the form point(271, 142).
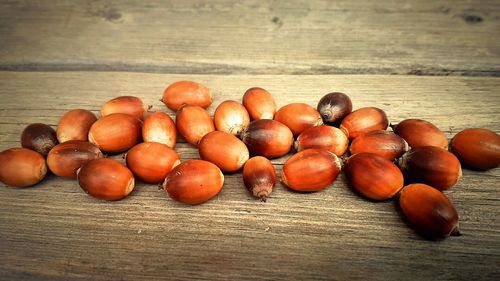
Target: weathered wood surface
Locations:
point(54, 231)
point(253, 37)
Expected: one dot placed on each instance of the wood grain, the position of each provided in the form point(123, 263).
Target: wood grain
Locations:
point(443, 37)
point(53, 231)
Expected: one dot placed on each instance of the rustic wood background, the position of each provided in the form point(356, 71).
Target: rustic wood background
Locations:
point(437, 60)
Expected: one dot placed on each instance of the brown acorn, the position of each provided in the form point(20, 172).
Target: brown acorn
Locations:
point(477, 148)
point(39, 137)
point(364, 120)
point(224, 150)
point(298, 117)
point(418, 133)
point(268, 138)
point(66, 158)
point(310, 170)
point(194, 182)
point(159, 127)
point(231, 117)
point(75, 125)
point(333, 107)
point(125, 104)
point(429, 211)
point(186, 93)
point(259, 103)
point(193, 122)
point(325, 137)
point(116, 132)
point(259, 177)
point(21, 167)
point(431, 165)
point(106, 179)
point(383, 143)
point(373, 176)
point(152, 161)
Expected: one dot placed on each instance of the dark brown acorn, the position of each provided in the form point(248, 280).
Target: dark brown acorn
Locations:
point(333, 107)
point(39, 137)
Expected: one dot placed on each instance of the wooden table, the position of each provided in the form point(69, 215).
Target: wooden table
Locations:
point(436, 60)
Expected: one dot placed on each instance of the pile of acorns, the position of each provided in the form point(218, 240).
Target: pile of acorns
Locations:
point(226, 142)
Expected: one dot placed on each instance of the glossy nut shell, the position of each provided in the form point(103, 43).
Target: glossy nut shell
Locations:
point(116, 132)
point(298, 117)
point(429, 211)
point(75, 125)
point(431, 165)
point(21, 167)
point(477, 148)
point(364, 120)
point(325, 137)
point(268, 138)
point(310, 170)
point(231, 117)
point(382, 143)
point(39, 137)
point(418, 133)
point(194, 182)
point(186, 92)
point(159, 127)
point(193, 122)
point(66, 158)
point(125, 104)
point(259, 103)
point(373, 176)
point(224, 150)
point(151, 161)
point(106, 179)
point(333, 107)
point(259, 177)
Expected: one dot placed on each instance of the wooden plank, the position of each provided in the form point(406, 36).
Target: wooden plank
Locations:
point(53, 231)
point(255, 37)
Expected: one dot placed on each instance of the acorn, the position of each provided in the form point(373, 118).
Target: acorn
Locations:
point(194, 182)
point(477, 148)
point(186, 92)
point(151, 161)
point(193, 122)
point(418, 133)
point(325, 137)
point(66, 158)
point(268, 138)
point(21, 167)
point(116, 132)
point(224, 150)
point(382, 143)
point(231, 117)
point(106, 179)
point(259, 103)
point(75, 125)
point(373, 176)
point(310, 170)
point(39, 137)
point(125, 104)
point(259, 177)
point(333, 107)
point(298, 117)
point(429, 211)
point(159, 127)
point(364, 120)
point(431, 165)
